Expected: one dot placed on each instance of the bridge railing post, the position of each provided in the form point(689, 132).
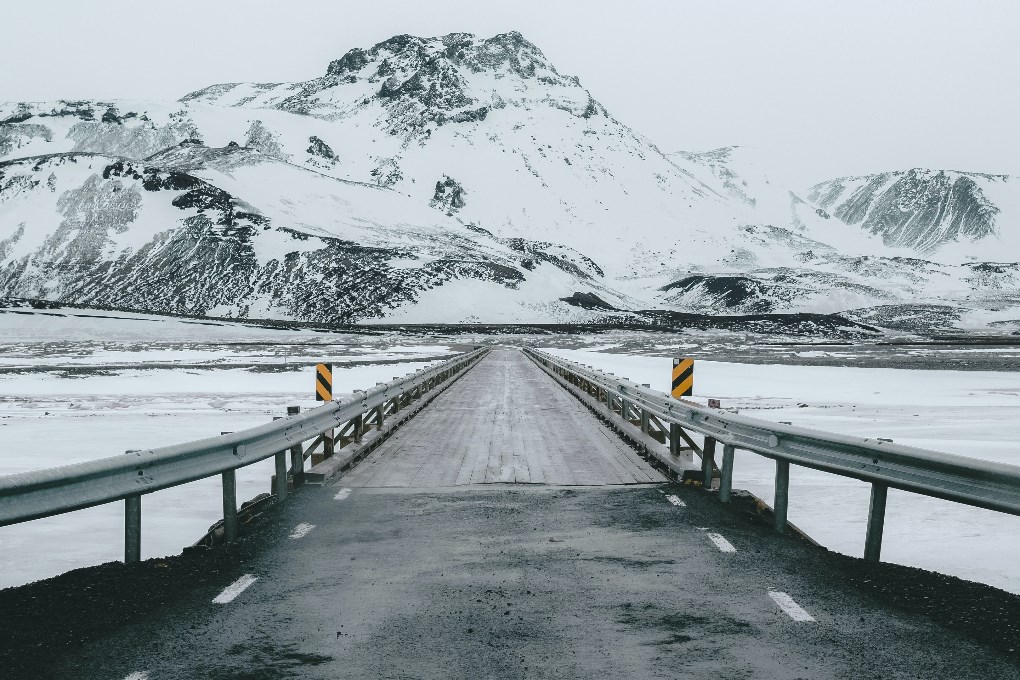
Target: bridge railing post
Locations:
point(359, 427)
point(781, 504)
point(229, 479)
point(876, 522)
point(708, 462)
point(132, 529)
point(280, 479)
point(726, 480)
point(297, 454)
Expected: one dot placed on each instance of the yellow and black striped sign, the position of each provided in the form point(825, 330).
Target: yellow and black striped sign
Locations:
point(323, 382)
point(683, 378)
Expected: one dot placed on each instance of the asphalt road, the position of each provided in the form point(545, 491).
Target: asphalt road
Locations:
point(509, 582)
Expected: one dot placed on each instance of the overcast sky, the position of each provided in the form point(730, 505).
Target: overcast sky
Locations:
point(825, 88)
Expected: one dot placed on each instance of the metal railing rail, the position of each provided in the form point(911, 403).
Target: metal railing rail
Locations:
point(884, 464)
point(42, 493)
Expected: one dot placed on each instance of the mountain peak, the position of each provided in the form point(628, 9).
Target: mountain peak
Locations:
point(454, 78)
point(505, 50)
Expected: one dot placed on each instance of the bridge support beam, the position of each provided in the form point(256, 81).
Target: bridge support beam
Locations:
point(132, 529)
point(782, 496)
point(726, 481)
point(229, 506)
point(876, 522)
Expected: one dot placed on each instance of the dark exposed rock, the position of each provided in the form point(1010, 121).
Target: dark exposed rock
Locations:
point(588, 301)
point(740, 292)
point(111, 116)
point(449, 195)
point(319, 148)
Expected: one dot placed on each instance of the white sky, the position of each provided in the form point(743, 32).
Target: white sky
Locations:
point(823, 87)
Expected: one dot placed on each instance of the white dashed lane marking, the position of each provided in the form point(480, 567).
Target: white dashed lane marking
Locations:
point(301, 530)
point(675, 500)
point(138, 675)
point(342, 494)
point(793, 610)
point(235, 589)
point(721, 543)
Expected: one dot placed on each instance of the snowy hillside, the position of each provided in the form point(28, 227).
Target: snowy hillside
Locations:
point(449, 179)
point(182, 234)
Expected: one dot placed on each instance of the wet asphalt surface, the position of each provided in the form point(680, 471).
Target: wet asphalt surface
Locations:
point(508, 582)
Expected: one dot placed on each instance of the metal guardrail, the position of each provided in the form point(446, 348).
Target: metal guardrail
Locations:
point(32, 495)
point(884, 464)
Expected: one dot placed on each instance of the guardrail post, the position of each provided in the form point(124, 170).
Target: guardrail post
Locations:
point(876, 522)
point(644, 421)
point(297, 454)
point(674, 439)
point(281, 476)
point(782, 495)
point(726, 482)
point(132, 529)
point(327, 444)
point(708, 462)
point(229, 506)
point(624, 408)
point(359, 427)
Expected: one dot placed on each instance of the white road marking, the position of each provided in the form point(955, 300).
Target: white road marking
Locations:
point(301, 530)
point(235, 589)
point(138, 675)
point(721, 543)
point(342, 494)
point(793, 610)
point(675, 500)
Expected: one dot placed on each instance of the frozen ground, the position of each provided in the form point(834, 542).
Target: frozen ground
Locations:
point(965, 412)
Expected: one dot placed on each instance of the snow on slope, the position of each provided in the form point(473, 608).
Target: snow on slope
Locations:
point(181, 234)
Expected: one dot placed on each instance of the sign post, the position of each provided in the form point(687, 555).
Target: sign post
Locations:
point(324, 392)
point(683, 378)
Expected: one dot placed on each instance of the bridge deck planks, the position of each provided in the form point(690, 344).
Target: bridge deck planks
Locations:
point(505, 421)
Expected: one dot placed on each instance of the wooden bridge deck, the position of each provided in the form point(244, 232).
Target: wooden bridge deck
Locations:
point(505, 421)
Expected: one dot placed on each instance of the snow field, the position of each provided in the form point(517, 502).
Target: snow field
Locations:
point(968, 413)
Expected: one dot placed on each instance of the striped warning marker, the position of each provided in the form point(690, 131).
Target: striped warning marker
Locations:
point(323, 382)
point(683, 378)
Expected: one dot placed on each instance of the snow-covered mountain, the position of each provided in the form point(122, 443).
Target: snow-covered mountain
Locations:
point(444, 180)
